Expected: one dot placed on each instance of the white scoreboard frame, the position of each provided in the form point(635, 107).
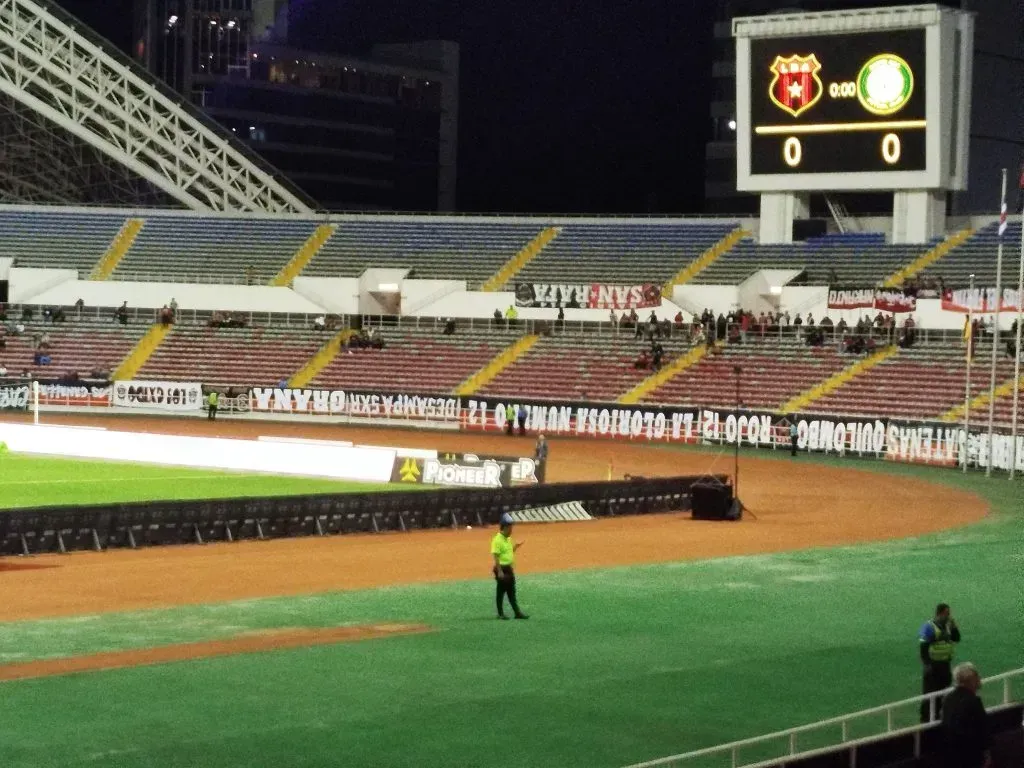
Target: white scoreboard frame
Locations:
point(947, 108)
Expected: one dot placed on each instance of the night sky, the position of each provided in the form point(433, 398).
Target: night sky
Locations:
point(597, 106)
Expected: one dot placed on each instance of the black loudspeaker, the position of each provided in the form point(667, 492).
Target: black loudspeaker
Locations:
point(714, 501)
point(805, 229)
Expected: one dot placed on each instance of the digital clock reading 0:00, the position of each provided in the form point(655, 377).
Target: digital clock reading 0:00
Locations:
point(885, 84)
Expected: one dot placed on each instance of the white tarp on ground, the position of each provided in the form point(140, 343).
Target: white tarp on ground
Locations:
point(364, 464)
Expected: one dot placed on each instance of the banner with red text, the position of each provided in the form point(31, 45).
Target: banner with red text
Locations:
point(588, 295)
point(884, 300)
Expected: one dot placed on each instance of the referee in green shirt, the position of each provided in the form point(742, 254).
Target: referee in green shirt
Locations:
point(503, 551)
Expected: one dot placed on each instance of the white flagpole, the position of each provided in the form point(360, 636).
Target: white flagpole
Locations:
point(997, 311)
point(970, 363)
point(1016, 361)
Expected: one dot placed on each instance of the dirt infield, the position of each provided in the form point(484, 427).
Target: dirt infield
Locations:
point(253, 642)
point(797, 504)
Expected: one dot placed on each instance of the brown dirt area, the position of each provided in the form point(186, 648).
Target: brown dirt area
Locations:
point(254, 642)
point(798, 504)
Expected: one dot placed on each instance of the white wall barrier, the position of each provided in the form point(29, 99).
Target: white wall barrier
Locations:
point(158, 395)
point(363, 464)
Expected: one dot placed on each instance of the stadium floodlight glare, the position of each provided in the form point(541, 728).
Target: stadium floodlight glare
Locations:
point(388, 288)
point(172, 21)
point(732, 125)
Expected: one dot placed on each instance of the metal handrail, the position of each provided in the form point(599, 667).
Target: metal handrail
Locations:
point(732, 748)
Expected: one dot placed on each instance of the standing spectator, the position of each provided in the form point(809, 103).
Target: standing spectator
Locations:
point(212, 401)
point(122, 314)
point(793, 435)
point(540, 457)
point(561, 319)
point(938, 637)
point(497, 315)
point(964, 723)
point(613, 319)
point(521, 418)
point(3, 370)
point(80, 307)
point(449, 327)
point(174, 310)
point(510, 419)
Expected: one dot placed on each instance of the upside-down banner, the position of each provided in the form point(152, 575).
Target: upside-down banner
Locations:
point(980, 300)
point(588, 295)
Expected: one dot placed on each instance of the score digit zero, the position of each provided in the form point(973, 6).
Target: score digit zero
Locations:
point(793, 151)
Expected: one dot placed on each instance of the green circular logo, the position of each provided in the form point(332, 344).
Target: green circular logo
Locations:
point(885, 84)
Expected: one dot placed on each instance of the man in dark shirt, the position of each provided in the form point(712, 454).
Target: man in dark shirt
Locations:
point(964, 728)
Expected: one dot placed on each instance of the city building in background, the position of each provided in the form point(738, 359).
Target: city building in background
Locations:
point(375, 132)
point(997, 112)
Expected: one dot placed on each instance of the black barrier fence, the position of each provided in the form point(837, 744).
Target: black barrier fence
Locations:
point(64, 529)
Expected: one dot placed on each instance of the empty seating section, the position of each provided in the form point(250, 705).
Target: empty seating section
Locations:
point(862, 260)
point(623, 253)
point(773, 372)
point(54, 239)
point(232, 356)
point(435, 247)
point(977, 256)
point(85, 348)
point(212, 249)
point(415, 361)
point(579, 368)
point(918, 383)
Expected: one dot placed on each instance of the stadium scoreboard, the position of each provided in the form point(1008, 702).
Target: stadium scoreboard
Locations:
point(821, 107)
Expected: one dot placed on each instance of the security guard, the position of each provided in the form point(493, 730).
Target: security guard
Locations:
point(503, 550)
point(937, 637)
point(510, 419)
point(792, 437)
point(211, 405)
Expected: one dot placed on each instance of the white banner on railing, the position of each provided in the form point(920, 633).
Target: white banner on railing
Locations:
point(158, 395)
point(340, 403)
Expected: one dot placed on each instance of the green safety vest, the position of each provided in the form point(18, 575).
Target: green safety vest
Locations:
point(213, 398)
point(941, 648)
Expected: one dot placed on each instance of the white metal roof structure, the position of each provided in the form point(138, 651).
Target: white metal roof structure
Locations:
point(81, 123)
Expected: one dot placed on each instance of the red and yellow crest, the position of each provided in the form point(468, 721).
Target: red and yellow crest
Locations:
point(796, 86)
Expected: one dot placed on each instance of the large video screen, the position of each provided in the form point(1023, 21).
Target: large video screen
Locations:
point(845, 103)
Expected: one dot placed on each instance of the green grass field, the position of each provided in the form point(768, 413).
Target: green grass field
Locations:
point(28, 481)
point(615, 666)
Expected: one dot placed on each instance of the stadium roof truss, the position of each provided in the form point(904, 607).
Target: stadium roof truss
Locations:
point(69, 94)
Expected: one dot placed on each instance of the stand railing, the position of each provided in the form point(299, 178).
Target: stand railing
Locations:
point(889, 719)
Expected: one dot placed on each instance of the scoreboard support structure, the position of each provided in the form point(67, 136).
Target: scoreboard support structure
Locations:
point(856, 100)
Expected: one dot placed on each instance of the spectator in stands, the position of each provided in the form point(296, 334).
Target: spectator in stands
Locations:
point(614, 320)
point(236, 320)
point(666, 328)
point(3, 370)
point(122, 314)
point(511, 314)
point(815, 336)
point(250, 275)
point(44, 341)
point(165, 315)
point(657, 355)
point(745, 320)
point(80, 307)
point(174, 309)
point(497, 315)
point(679, 320)
point(57, 315)
point(841, 326)
point(810, 320)
point(784, 320)
point(27, 313)
point(634, 318)
point(561, 319)
point(964, 722)
point(26, 374)
point(216, 320)
point(449, 327)
point(798, 323)
point(643, 360)
point(282, 384)
point(17, 328)
point(827, 328)
point(909, 334)
point(722, 327)
point(733, 334)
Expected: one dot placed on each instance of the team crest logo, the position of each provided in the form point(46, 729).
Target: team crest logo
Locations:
point(410, 471)
point(796, 86)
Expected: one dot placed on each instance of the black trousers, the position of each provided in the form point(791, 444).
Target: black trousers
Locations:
point(506, 586)
point(211, 412)
point(792, 446)
point(935, 678)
